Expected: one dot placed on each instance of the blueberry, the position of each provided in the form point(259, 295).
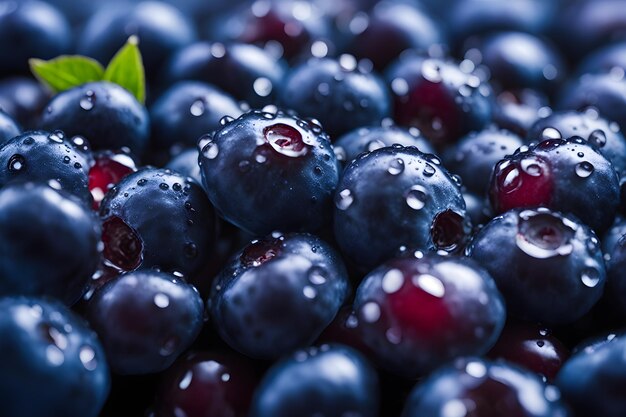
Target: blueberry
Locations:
point(108, 169)
point(531, 347)
point(244, 71)
point(548, 266)
point(31, 29)
point(336, 93)
point(613, 235)
point(43, 156)
point(8, 128)
point(418, 313)
point(207, 384)
point(611, 57)
point(278, 294)
point(186, 163)
point(367, 139)
point(389, 29)
point(48, 240)
point(477, 208)
point(23, 99)
point(483, 388)
point(145, 320)
point(616, 284)
point(49, 354)
point(474, 156)
point(439, 98)
point(186, 111)
point(106, 114)
point(393, 197)
point(335, 380)
point(518, 110)
point(564, 175)
point(157, 218)
point(592, 380)
point(162, 29)
point(270, 171)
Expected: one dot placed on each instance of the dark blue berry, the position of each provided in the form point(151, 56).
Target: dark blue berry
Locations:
point(278, 294)
point(616, 284)
point(52, 364)
point(337, 93)
point(270, 171)
point(548, 266)
point(186, 164)
point(518, 110)
point(23, 99)
point(613, 235)
point(48, 242)
point(394, 197)
point(336, 381)
point(106, 114)
point(157, 218)
point(610, 58)
point(8, 128)
point(145, 320)
point(417, 313)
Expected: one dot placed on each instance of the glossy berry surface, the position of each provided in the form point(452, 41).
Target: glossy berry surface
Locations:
point(278, 294)
point(270, 171)
point(62, 232)
point(50, 354)
point(145, 320)
point(616, 284)
point(23, 99)
point(207, 384)
point(8, 128)
point(592, 381)
point(175, 234)
point(518, 110)
point(337, 93)
point(186, 111)
point(107, 115)
point(564, 175)
point(395, 197)
point(336, 381)
point(548, 266)
point(368, 139)
point(419, 313)
point(440, 98)
point(244, 71)
point(609, 58)
point(532, 348)
point(43, 156)
point(483, 388)
point(186, 164)
point(108, 169)
point(474, 156)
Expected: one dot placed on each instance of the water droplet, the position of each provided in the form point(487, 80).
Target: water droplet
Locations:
point(598, 138)
point(396, 167)
point(226, 120)
point(260, 158)
point(590, 277)
point(550, 133)
point(344, 199)
point(584, 169)
point(77, 165)
point(87, 357)
point(161, 300)
point(317, 275)
point(454, 408)
point(262, 86)
point(29, 141)
point(392, 281)
point(210, 150)
point(56, 136)
point(476, 369)
point(197, 108)
point(429, 284)
point(370, 312)
point(225, 377)
point(399, 86)
point(431, 71)
point(88, 101)
point(16, 163)
point(54, 355)
point(531, 166)
point(541, 343)
point(66, 159)
point(164, 186)
point(186, 381)
point(429, 170)
point(142, 182)
point(309, 292)
point(416, 197)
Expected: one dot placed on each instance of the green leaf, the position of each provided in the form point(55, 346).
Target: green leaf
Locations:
point(66, 71)
point(126, 69)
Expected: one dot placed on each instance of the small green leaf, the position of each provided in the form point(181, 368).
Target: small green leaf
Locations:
point(126, 69)
point(66, 71)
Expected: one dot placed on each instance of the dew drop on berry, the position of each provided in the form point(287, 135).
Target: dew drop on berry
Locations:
point(344, 199)
point(16, 163)
point(584, 169)
point(392, 281)
point(370, 312)
point(210, 150)
point(590, 277)
point(416, 197)
point(88, 101)
point(396, 167)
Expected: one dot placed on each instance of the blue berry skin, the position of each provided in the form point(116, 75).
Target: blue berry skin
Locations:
point(23, 99)
point(162, 29)
point(368, 139)
point(48, 242)
point(341, 97)
point(278, 294)
point(31, 29)
point(145, 320)
point(106, 114)
point(8, 128)
point(613, 235)
point(246, 72)
point(592, 381)
point(393, 197)
point(157, 218)
point(484, 388)
point(475, 155)
point(330, 381)
point(416, 314)
point(52, 363)
point(588, 125)
point(186, 164)
point(605, 59)
point(186, 111)
point(616, 284)
point(270, 171)
point(605, 92)
point(548, 266)
point(43, 156)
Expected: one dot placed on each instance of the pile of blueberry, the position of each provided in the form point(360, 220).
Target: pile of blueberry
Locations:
point(322, 208)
